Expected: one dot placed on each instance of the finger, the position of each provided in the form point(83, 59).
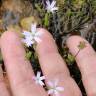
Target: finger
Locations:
point(18, 67)
point(3, 88)
point(86, 60)
point(53, 65)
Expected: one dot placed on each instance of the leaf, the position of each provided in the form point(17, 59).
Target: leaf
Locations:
point(82, 45)
point(28, 55)
point(71, 58)
point(46, 20)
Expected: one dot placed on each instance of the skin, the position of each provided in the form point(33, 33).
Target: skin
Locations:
point(20, 72)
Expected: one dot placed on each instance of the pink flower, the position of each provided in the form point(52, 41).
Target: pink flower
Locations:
point(54, 89)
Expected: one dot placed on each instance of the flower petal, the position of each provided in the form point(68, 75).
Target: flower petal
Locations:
point(33, 78)
point(48, 3)
point(42, 78)
point(38, 74)
point(50, 91)
point(56, 93)
point(39, 34)
point(50, 84)
point(54, 9)
point(59, 88)
point(33, 28)
point(26, 33)
point(41, 83)
point(38, 40)
point(28, 42)
point(53, 4)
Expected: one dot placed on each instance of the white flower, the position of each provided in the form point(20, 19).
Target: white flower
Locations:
point(51, 7)
point(39, 79)
point(28, 41)
point(54, 89)
point(32, 37)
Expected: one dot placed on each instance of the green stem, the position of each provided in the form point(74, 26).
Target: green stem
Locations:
point(46, 19)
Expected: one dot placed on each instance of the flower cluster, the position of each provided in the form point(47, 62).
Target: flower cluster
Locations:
point(32, 37)
point(53, 88)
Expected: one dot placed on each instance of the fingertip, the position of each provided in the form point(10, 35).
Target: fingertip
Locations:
point(8, 35)
point(44, 31)
point(73, 43)
point(11, 46)
point(74, 40)
point(48, 43)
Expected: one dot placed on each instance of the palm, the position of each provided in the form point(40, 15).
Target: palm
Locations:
point(20, 72)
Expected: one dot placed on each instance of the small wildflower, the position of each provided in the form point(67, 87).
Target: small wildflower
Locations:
point(82, 45)
point(54, 89)
point(32, 37)
point(28, 42)
point(51, 7)
point(39, 79)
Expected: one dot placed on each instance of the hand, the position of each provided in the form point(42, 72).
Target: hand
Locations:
point(20, 72)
